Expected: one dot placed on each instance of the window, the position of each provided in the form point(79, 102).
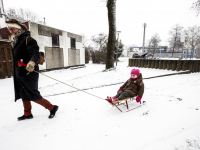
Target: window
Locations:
point(55, 40)
point(73, 43)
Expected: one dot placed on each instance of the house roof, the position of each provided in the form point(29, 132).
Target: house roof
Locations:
point(21, 20)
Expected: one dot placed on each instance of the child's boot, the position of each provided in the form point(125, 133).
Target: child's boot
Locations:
point(109, 99)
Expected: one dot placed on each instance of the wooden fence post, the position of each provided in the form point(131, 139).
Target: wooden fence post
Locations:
point(157, 64)
point(142, 63)
point(129, 62)
point(179, 64)
point(149, 63)
point(139, 62)
point(198, 66)
point(169, 64)
point(195, 66)
point(184, 65)
point(152, 63)
point(190, 66)
point(133, 62)
point(136, 63)
point(164, 64)
point(174, 63)
point(145, 63)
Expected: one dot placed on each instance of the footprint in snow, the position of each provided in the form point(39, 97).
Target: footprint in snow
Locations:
point(146, 113)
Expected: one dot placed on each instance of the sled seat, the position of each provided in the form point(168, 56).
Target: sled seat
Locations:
point(125, 99)
point(120, 102)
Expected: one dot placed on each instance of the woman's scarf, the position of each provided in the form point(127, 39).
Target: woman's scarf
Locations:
point(19, 32)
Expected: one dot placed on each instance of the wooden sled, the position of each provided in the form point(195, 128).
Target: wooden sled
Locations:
point(125, 103)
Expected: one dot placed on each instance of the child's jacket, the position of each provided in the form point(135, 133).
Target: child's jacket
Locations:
point(134, 87)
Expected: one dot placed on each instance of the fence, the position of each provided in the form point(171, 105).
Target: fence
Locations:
point(174, 65)
point(6, 59)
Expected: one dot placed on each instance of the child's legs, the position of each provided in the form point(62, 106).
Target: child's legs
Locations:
point(118, 94)
point(124, 95)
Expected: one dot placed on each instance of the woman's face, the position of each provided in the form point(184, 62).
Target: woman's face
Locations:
point(12, 30)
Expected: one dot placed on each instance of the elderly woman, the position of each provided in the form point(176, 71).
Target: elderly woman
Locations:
point(25, 59)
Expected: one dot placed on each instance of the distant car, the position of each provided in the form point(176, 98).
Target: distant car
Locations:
point(143, 55)
point(136, 55)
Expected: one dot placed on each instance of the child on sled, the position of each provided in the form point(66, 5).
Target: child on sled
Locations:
point(132, 87)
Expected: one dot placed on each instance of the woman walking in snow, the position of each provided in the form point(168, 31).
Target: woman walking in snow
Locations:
point(132, 87)
point(26, 86)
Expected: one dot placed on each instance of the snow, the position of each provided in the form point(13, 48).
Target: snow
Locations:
point(169, 120)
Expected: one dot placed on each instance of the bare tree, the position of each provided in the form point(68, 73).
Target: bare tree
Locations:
point(174, 40)
point(22, 14)
point(11, 12)
point(100, 40)
point(197, 52)
point(154, 42)
point(196, 7)
point(192, 37)
point(111, 6)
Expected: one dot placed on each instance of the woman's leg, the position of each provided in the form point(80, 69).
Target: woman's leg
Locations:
point(27, 111)
point(45, 103)
point(27, 108)
point(124, 95)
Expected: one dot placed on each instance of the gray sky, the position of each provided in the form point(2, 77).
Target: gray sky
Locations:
point(89, 17)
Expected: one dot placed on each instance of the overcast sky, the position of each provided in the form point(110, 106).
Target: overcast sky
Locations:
point(89, 17)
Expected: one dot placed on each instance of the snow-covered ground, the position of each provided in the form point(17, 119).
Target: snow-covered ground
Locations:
point(168, 121)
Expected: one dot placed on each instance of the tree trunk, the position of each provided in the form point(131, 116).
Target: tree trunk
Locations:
point(111, 6)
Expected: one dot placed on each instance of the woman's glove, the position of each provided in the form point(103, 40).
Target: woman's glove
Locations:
point(119, 90)
point(30, 66)
point(138, 99)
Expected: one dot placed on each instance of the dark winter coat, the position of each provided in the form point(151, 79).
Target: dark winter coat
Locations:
point(134, 87)
point(25, 86)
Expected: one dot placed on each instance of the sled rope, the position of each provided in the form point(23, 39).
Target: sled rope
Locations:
point(67, 84)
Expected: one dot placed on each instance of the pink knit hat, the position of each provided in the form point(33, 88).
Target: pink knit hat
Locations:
point(135, 71)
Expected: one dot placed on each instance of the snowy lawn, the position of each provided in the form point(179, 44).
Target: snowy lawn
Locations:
point(169, 120)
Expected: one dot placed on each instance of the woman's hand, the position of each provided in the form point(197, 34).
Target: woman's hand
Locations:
point(30, 66)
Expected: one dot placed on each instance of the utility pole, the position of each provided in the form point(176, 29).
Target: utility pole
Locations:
point(118, 32)
point(144, 25)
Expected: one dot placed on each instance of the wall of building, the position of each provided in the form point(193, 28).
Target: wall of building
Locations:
point(54, 57)
point(71, 57)
point(80, 50)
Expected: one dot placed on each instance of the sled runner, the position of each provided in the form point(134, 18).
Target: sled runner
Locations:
point(125, 103)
